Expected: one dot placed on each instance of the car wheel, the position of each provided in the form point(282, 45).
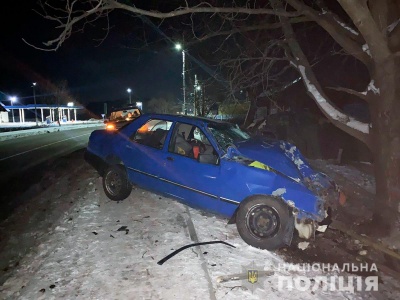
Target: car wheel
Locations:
point(261, 222)
point(116, 184)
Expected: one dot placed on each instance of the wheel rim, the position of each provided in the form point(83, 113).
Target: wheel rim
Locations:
point(263, 221)
point(113, 183)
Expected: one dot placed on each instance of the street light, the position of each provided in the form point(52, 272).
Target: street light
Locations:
point(129, 92)
point(34, 99)
point(12, 99)
point(179, 48)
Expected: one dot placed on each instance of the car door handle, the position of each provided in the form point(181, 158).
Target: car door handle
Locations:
point(170, 158)
point(128, 146)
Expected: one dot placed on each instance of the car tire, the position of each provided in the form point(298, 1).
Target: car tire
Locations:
point(262, 221)
point(116, 184)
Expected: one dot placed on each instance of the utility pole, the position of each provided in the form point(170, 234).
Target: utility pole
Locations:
point(34, 100)
point(179, 47)
point(129, 92)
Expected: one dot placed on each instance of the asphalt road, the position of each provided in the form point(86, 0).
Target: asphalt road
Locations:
point(17, 156)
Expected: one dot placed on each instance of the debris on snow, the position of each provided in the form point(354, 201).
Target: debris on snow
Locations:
point(122, 228)
point(322, 228)
point(303, 245)
point(363, 252)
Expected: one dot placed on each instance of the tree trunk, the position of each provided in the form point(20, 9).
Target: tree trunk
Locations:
point(385, 113)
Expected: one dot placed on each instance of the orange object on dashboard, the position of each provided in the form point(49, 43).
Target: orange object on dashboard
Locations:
point(196, 151)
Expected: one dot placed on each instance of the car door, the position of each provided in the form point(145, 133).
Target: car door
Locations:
point(192, 177)
point(143, 153)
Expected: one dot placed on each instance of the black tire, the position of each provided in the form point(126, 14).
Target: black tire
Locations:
point(262, 221)
point(115, 183)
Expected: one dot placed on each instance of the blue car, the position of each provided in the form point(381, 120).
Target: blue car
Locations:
point(265, 186)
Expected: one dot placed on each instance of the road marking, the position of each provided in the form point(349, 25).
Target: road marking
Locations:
point(1, 159)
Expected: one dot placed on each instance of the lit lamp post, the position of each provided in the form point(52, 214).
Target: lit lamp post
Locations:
point(179, 47)
point(34, 100)
point(12, 99)
point(197, 100)
point(129, 92)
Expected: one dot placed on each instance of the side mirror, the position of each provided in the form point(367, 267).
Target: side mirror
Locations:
point(208, 159)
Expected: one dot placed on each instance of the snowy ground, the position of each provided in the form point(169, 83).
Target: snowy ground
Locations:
point(25, 129)
point(65, 244)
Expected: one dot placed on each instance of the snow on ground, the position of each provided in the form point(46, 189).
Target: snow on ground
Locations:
point(84, 255)
point(23, 131)
point(363, 180)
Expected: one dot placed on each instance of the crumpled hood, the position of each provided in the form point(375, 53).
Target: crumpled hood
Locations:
point(281, 156)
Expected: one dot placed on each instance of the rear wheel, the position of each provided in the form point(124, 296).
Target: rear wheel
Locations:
point(116, 184)
point(261, 222)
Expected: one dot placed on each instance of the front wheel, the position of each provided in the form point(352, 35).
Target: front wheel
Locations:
point(262, 221)
point(116, 184)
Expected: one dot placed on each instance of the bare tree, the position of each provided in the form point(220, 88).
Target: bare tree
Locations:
point(368, 30)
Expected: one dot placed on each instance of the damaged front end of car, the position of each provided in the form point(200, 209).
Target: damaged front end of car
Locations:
point(312, 197)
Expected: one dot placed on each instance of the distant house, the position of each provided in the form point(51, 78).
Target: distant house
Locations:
point(3, 114)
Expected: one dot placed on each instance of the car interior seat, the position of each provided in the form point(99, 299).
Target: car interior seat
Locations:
point(182, 146)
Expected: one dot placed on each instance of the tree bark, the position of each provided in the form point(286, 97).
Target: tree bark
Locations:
point(386, 144)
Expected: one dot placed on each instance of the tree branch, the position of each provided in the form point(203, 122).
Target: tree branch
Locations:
point(73, 16)
point(347, 123)
point(252, 28)
point(360, 95)
point(340, 33)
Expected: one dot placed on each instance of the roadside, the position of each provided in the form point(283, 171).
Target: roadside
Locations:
point(70, 241)
point(26, 129)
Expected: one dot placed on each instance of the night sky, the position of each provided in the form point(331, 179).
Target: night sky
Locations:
point(94, 73)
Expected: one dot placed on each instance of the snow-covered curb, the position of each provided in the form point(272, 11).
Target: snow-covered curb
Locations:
point(28, 132)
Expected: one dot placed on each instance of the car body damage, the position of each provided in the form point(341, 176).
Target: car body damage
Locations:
point(311, 200)
point(266, 186)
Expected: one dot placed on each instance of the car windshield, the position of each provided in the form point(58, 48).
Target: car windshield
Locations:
point(227, 134)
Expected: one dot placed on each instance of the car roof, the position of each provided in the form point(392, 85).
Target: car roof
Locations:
point(186, 119)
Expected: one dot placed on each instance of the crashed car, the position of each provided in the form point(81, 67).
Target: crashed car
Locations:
point(265, 186)
point(119, 117)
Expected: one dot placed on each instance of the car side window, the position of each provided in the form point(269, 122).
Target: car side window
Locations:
point(190, 141)
point(153, 133)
